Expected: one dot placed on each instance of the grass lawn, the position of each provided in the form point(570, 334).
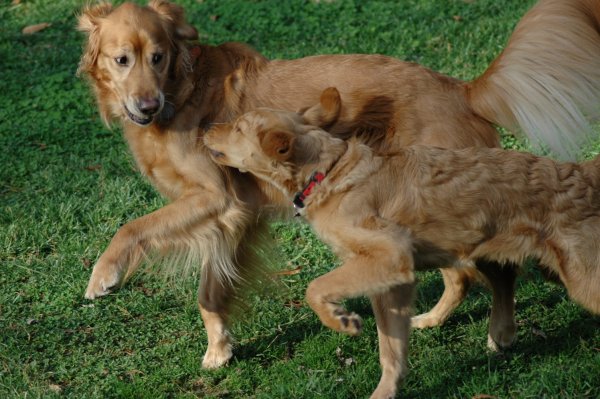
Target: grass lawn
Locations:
point(67, 183)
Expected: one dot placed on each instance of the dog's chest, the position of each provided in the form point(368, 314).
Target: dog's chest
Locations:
point(175, 162)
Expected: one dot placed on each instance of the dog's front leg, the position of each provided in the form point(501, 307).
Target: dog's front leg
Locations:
point(357, 276)
point(392, 311)
point(195, 214)
point(124, 253)
point(214, 299)
point(130, 243)
point(377, 257)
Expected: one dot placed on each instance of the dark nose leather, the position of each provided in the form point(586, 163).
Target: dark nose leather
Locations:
point(148, 106)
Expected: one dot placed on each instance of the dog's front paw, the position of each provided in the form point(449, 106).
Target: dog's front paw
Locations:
point(381, 393)
point(105, 278)
point(217, 356)
point(501, 341)
point(425, 320)
point(348, 323)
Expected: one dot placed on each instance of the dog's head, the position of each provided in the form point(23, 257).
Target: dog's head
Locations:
point(130, 54)
point(261, 139)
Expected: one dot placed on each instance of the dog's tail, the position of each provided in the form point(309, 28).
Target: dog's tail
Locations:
point(546, 82)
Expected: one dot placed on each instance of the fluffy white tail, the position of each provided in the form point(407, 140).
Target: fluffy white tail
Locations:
point(546, 82)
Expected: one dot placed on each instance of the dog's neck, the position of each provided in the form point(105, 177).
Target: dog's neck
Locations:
point(192, 85)
point(342, 164)
point(219, 77)
point(314, 151)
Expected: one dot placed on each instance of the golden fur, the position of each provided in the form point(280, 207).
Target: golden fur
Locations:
point(388, 215)
point(161, 89)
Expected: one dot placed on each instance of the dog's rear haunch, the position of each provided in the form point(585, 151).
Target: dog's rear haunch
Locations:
point(420, 207)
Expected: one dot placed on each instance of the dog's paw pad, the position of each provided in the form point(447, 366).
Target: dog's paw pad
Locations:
point(350, 323)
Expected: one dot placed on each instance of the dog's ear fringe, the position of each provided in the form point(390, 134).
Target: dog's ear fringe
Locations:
point(326, 112)
point(277, 144)
point(89, 22)
point(175, 15)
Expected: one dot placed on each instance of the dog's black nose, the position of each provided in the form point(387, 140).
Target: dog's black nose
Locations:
point(149, 106)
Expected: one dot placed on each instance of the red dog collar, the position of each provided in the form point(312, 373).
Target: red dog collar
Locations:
point(300, 196)
point(195, 52)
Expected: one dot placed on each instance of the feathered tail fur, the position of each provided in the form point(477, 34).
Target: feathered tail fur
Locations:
point(546, 82)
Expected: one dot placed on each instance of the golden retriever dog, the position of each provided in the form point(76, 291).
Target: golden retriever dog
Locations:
point(164, 89)
point(388, 215)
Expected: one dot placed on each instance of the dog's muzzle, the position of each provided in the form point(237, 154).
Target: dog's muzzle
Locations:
point(148, 107)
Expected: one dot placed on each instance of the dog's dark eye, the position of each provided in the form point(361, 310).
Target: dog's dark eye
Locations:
point(156, 58)
point(122, 60)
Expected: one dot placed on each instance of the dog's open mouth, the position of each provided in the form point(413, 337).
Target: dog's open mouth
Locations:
point(142, 121)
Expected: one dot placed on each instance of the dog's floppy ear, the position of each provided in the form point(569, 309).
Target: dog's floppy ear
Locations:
point(174, 21)
point(175, 16)
point(327, 111)
point(89, 23)
point(277, 144)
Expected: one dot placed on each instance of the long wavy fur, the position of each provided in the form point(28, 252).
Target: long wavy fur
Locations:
point(546, 83)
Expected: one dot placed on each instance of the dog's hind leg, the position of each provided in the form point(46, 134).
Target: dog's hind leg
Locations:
point(457, 282)
point(503, 328)
point(577, 262)
point(392, 311)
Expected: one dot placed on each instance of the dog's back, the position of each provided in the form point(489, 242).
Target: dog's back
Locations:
point(499, 205)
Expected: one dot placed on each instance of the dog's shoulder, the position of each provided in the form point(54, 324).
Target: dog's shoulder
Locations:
point(243, 54)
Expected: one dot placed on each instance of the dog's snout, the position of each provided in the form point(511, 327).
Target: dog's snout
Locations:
point(149, 106)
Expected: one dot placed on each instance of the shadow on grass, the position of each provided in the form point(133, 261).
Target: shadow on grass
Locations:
point(499, 370)
point(285, 339)
point(278, 343)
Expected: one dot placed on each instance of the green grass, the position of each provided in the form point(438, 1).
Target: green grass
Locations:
point(67, 183)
